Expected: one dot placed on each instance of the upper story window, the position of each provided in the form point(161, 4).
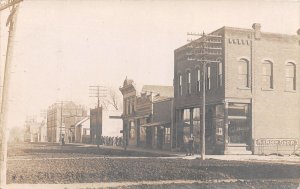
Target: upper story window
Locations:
point(198, 80)
point(208, 79)
point(180, 85)
point(243, 72)
point(128, 106)
point(267, 75)
point(189, 88)
point(290, 76)
point(220, 74)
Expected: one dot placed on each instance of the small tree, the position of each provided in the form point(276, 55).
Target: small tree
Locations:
point(113, 99)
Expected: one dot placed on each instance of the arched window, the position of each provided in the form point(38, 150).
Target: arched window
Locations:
point(179, 84)
point(267, 75)
point(243, 73)
point(290, 76)
point(188, 82)
point(198, 80)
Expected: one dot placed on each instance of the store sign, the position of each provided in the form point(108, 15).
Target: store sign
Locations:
point(274, 141)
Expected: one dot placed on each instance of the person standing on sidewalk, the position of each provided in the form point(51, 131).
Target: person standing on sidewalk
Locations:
point(186, 144)
point(191, 145)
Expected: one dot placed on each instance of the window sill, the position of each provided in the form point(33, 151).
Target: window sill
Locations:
point(243, 88)
point(290, 91)
point(267, 89)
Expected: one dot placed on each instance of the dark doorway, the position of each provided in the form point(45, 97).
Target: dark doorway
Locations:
point(160, 137)
point(149, 133)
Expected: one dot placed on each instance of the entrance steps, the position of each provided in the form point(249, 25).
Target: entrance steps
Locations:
point(237, 149)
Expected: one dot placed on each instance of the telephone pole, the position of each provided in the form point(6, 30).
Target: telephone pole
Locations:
point(13, 5)
point(98, 92)
point(207, 49)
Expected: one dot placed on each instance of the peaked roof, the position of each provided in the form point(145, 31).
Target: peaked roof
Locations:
point(82, 121)
point(166, 91)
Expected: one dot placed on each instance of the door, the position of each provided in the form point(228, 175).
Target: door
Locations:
point(149, 132)
point(160, 137)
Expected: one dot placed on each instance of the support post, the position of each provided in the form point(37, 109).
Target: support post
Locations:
point(203, 112)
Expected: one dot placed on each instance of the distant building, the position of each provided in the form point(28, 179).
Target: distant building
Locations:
point(140, 127)
point(61, 119)
point(32, 130)
point(96, 124)
point(108, 123)
point(82, 131)
point(252, 91)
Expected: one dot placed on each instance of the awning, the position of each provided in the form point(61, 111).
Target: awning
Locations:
point(155, 124)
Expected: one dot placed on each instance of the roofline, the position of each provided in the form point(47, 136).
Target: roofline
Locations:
point(240, 29)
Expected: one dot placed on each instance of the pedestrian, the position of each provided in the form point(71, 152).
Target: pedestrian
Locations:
point(191, 145)
point(62, 140)
point(185, 144)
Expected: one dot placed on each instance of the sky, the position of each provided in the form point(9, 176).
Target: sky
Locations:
point(63, 46)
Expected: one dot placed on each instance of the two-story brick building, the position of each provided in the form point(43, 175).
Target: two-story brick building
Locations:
point(252, 91)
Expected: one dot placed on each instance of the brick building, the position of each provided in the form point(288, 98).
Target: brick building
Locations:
point(252, 91)
point(141, 126)
point(61, 119)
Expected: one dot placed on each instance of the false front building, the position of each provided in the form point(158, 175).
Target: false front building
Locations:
point(147, 117)
point(251, 88)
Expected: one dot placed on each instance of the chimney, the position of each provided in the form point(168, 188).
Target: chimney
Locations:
point(257, 32)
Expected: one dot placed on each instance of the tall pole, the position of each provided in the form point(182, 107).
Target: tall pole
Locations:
point(97, 122)
point(211, 48)
point(5, 94)
point(61, 115)
point(203, 112)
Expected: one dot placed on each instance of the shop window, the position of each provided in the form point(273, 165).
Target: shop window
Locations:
point(267, 75)
point(132, 130)
point(186, 116)
point(290, 76)
point(243, 73)
point(167, 135)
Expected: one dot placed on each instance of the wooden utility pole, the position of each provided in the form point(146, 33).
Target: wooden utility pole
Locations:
point(11, 23)
point(206, 49)
point(98, 92)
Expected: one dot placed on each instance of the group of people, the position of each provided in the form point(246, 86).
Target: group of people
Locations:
point(111, 141)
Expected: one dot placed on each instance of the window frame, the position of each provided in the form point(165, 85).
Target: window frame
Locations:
point(241, 75)
point(189, 80)
point(270, 84)
point(293, 77)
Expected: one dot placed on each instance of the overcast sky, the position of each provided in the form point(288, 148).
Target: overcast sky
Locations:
point(62, 47)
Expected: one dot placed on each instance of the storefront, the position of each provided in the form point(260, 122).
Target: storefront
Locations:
point(219, 136)
point(158, 135)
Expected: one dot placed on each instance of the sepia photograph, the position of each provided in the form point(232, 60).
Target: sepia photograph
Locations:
point(149, 94)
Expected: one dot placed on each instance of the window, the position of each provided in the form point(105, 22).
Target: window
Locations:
point(180, 85)
point(132, 130)
point(243, 73)
point(267, 75)
point(290, 76)
point(220, 74)
point(198, 80)
point(167, 135)
point(188, 82)
point(208, 79)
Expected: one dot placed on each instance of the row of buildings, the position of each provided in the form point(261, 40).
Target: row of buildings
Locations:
point(250, 82)
point(72, 123)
